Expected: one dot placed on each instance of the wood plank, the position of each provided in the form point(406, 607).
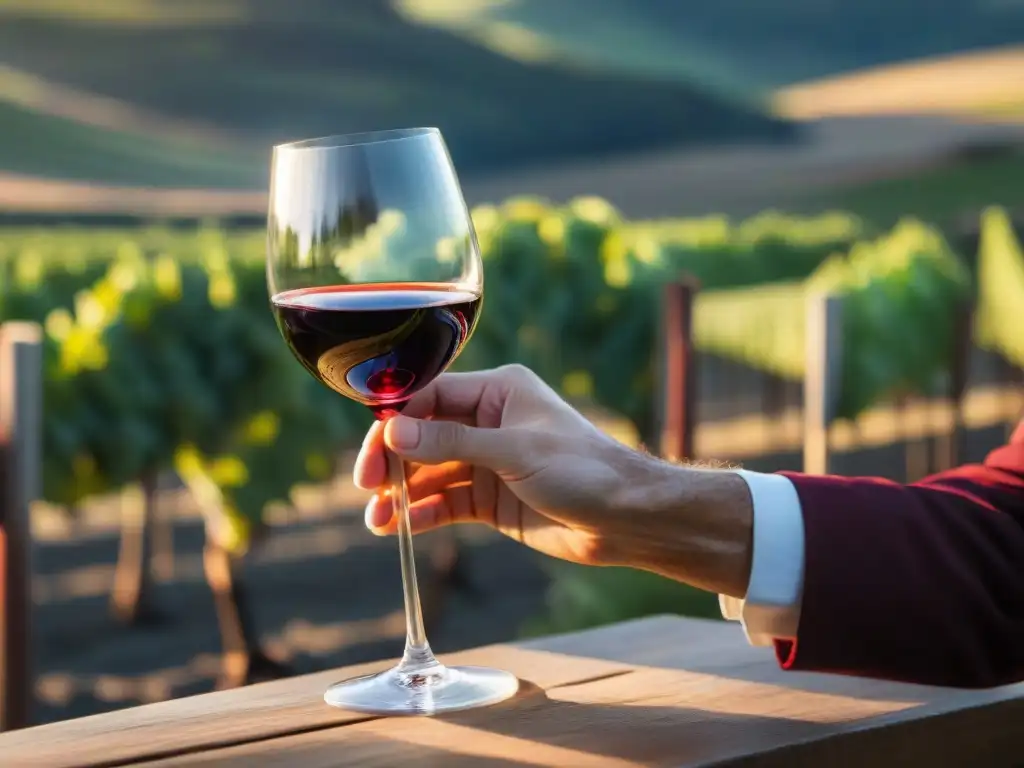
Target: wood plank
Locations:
point(245, 714)
point(650, 717)
point(659, 691)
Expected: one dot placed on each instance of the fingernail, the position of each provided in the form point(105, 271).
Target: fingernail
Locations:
point(405, 433)
point(372, 515)
point(368, 514)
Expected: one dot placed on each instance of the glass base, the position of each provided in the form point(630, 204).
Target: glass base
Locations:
point(423, 691)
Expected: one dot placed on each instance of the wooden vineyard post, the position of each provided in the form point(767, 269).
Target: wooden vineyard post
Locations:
point(950, 447)
point(822, 378)
point(21, 395)
point(679, 396)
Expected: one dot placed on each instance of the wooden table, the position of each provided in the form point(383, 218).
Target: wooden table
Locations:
point(662, 691)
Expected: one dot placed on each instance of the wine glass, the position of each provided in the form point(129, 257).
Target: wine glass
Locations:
point(376, 284)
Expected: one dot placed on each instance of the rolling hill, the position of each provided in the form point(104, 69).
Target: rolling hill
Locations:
point(40, 144)
point(262, 71)
point(740, 45)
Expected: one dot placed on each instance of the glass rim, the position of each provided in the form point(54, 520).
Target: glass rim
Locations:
point(341, 140)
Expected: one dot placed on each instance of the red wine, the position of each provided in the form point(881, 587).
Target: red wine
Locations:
point(378, 343)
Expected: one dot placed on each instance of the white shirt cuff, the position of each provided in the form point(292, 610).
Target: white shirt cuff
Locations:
point(771, 608)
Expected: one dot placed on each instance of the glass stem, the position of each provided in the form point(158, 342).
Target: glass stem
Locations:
point(417, 651)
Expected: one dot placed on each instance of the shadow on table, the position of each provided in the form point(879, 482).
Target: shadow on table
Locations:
point(716, 648)
point(560, 733)
point(532, 729)
point(565, 730)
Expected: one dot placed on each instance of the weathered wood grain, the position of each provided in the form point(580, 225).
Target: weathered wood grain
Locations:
point(663, 691)
point(252, 713)
point(649, 717)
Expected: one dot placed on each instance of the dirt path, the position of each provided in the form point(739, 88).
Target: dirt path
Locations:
point(987, 83)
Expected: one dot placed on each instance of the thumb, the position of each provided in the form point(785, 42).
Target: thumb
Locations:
point(435, 442)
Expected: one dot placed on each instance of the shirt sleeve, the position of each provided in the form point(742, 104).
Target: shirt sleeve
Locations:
point(771, 608)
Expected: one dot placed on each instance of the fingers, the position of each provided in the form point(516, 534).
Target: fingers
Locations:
point(451, 479)
point(450, 395)
point(371, 470)
point(464, 412)
point(378, 513)
point(428, 480)
point(436, 442)
point(454, 505)
point(423, 482)
point(464, 396)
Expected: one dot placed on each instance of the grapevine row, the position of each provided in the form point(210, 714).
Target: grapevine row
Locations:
point(161, 352)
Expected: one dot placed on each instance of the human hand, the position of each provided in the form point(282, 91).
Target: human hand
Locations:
point(500, 447)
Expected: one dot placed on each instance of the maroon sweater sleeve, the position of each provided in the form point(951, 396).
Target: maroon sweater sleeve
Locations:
point(921, 583)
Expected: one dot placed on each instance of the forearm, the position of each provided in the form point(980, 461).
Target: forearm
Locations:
point(917, 582)
point(691, 525)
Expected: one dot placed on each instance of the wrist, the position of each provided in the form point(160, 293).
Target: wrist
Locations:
point(692, 525)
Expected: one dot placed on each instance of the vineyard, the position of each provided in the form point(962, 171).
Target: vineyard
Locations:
point(160, 352)
point(161, 356)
